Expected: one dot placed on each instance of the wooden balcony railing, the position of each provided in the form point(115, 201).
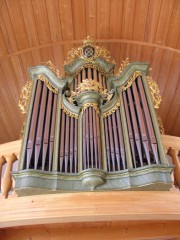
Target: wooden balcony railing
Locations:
point(9, 154)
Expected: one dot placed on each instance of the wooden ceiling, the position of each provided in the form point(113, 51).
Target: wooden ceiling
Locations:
point(36, 31)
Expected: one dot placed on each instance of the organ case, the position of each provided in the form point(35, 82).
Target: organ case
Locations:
point(91, 130)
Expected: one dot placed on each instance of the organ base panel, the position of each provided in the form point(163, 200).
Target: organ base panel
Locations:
point(91, 130)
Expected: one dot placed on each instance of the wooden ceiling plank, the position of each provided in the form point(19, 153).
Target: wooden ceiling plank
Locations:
point(135, 54)
point(41, 19)
point(65, 10)
point(128, 19)
point(156, 62)
point(174, 27)
point(18, 23)
point(164, 70)
point(116, 16)
point(59, 58)
point(103, 19)
point(152, 20)
point(3, 48)
point(175, 131)
point(54, 20)
point(79, 19)
point(7, 29)
point(146, 54)
point(29, 20)
point(91, 18)
point(170, 88)
point(164, 21)
point(140, 17)
point(47, 54)
point(27, 61)
point(10, 105)
point(37, 58)
point(114, 50)
point(17, 69)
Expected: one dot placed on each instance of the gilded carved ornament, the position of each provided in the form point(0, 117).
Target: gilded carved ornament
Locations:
point(68, 112)
point(94, 105)
point(131, 80)
point(123, 65)
point(47, 83)
point(24, 97)
point(156, 97)
point(88, 52)
point(53, 68)
point(112, 110)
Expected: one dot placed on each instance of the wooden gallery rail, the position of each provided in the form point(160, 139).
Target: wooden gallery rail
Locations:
point(9, 154)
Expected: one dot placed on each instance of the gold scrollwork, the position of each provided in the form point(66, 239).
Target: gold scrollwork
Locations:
point(24, 97)
point(48, 84)
point(53, 68)
point(156, 97)
point(89, 84)
point(94, 105)
point(160, 124)
point(112, 110)
point(99, 51)
point(131, 80)
point(68, 112)
point(123, 65)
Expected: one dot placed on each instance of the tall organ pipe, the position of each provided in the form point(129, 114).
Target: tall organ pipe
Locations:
point(148, 120)
point(32, 131)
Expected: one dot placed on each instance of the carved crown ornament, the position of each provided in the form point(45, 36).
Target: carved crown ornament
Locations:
point(88, 52)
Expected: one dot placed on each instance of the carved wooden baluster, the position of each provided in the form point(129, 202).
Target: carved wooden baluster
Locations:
point(46, 129)
point(174, 154)
point(95, 139)
point(148, 120)
point(71, 144)
point(40, 126)
point(116, 141)
point(121, 141)
point(135, 125)
point(2, 162)
point(87, 137)
point(98, 140)
point(131, 138)
point(7, 178)
point(75, 146)
point(111, 142)
point(141, 122)
point(67, 144)
point(91, 137)
point(62, 133)
point(30, 144)
point(107, 144)
point(51, 144)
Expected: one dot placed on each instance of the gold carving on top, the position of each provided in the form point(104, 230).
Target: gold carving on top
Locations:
point(53, 68)
point(94, 105)
point(89, 84)
point(156, 97)
point(48, 84)
point(112, 110)
point(161, 127)
point(24, 97)
point(123, 65)
point(131, 80)
point(88, 52)
point(68, 112)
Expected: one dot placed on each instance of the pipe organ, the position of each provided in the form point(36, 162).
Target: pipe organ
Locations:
point(91, 130)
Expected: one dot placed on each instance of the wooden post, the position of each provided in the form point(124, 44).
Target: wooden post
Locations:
point(7, 178)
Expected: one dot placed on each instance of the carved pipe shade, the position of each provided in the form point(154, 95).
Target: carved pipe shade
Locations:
point(90, 129)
